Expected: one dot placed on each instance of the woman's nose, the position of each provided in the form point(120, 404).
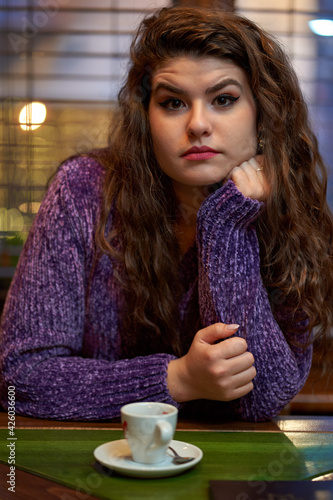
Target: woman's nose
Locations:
point(199, 121)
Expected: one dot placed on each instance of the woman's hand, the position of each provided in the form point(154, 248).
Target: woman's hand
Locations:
point(250, 179)
point(218, 371)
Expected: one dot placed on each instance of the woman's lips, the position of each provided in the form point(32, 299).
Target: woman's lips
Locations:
point(200, 156)
point(203, 153)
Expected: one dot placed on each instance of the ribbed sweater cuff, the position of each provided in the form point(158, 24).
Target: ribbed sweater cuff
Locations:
point(54, 390)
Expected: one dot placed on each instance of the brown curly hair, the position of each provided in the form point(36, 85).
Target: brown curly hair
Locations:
point(295, 230)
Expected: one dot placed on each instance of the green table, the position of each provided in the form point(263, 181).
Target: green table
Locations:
point(66, 456)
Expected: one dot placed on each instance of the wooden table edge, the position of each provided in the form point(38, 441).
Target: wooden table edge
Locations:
point(283, 423)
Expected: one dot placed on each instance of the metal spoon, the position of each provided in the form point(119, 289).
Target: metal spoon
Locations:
point(178, 459)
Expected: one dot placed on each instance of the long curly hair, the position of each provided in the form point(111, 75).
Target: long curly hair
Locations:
point(295, 230)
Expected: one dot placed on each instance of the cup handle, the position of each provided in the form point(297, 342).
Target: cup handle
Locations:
point(163, 434)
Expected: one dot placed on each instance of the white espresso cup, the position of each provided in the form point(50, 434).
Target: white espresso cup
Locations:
point(149, 427)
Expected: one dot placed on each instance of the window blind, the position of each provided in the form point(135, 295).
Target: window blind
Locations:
point(72, 55)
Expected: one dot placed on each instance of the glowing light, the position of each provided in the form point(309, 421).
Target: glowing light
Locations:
point(29, 208)
point(32, 115)
point(10, 220)
point(322, 27)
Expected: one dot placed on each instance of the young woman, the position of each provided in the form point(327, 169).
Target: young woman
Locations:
point(192, 258)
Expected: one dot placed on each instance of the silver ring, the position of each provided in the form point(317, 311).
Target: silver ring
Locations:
point(259, 169)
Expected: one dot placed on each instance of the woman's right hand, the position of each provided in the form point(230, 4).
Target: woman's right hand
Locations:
point(220, 371)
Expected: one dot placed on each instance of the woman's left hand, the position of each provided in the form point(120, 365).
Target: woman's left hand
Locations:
point(249, 178)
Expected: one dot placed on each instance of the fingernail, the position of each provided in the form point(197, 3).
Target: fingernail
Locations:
point(232, 327)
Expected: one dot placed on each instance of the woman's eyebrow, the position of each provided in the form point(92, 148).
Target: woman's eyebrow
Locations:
point(222, 85)
point(215, 88)
point(170, 88)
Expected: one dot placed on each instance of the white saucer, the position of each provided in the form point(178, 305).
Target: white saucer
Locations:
point(116, 455)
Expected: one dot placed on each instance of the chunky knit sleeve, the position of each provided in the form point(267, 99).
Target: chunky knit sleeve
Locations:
point(63, 366)
point(231, 291)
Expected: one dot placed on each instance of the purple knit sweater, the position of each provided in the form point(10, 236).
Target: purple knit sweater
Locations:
point(62, 353)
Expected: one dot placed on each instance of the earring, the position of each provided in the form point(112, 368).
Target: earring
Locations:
point(260, 144)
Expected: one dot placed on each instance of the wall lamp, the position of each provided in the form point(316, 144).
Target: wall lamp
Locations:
point(322, 27)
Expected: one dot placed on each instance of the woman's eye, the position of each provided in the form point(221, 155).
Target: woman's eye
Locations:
point(172, 104)
point(225, 100)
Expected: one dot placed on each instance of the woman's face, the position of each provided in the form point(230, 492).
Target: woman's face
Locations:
point(203, 120)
